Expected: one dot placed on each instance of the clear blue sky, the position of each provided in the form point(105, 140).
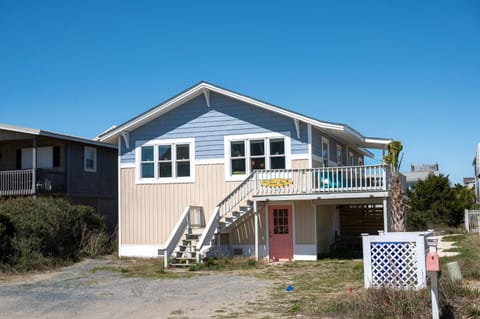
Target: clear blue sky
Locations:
point(408, 70)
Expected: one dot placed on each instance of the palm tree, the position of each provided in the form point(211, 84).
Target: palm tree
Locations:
point(398, 201)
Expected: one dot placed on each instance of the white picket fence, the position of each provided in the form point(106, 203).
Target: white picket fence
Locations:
point(395, 260)
point(472, 221)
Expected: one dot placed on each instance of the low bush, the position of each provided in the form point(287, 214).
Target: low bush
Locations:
point(46, 232)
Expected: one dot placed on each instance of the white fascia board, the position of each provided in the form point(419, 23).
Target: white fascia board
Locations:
point(377, 142)
point(200, 89)
point(37, 132)
point(155, 112)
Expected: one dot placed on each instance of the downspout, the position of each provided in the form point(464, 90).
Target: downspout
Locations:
point(119, 195)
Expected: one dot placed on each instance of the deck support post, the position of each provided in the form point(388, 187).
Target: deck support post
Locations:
point(385, 215)
point(34, 165)
point(255, 211)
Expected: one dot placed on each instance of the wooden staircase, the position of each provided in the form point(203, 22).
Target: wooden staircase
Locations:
point(231, 217)
point(185, 253)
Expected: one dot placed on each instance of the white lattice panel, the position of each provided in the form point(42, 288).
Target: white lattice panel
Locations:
point(394, 264)
point(395, 260)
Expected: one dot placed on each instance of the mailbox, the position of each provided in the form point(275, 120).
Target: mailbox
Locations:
point(433, 262)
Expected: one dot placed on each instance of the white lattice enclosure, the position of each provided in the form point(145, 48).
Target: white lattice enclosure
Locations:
point(395, 260)
point(472, 221)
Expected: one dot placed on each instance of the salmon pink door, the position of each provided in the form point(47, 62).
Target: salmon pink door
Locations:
point(280, 232)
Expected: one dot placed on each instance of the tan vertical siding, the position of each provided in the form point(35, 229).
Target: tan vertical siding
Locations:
point(151, 211)
point(325, 228)
point(317, 163)
point(300, 164)
point(304, 222)
point(243, 232)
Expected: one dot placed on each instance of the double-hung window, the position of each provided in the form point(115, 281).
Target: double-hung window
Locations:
point(165, 161)
point(243, 154)
point(325, 152)
point(339, 154)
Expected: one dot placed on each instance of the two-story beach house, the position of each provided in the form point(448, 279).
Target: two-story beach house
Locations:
point(214, 171)
point(37, 163)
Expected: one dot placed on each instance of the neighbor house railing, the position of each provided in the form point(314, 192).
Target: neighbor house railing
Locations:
point(472, 221)
point(17, 182)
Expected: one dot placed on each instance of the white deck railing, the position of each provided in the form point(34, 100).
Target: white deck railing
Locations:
point(17, 182)
point(323, 180)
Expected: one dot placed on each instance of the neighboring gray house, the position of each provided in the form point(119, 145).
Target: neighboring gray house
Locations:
point(420, 172)
point(41, 163)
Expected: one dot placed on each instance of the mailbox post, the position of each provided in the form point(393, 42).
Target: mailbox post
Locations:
point(433, 270)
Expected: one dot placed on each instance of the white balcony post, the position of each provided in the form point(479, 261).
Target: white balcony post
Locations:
point(467, 226)
point(255, 211)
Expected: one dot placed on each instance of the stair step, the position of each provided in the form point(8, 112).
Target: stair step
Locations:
point(185, 258)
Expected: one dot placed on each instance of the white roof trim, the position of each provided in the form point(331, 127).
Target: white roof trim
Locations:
point(202, 86)
point(37, 132)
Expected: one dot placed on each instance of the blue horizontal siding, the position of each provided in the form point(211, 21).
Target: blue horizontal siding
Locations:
point(209, 125)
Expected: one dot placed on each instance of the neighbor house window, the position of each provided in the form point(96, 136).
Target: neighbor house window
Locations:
point(90, 159)
point(166, 161)
point(243, 154)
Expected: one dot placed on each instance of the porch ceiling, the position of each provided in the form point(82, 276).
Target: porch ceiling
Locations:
point(13, 136)
point(344, 198)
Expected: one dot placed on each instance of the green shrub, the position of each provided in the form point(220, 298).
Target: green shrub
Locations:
point(50, 231)
point(6, 233)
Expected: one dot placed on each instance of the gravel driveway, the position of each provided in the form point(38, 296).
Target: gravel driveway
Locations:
point(77, 292)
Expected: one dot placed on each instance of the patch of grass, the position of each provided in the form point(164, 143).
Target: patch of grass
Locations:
point(468, 245)
point(146, 268)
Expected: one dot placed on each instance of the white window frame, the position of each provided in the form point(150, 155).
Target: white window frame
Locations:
point(44, 157)
point(164, 180)
point(86, 150)
point(247, 138)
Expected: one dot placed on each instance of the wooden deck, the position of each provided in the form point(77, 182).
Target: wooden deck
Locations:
point(17, 182)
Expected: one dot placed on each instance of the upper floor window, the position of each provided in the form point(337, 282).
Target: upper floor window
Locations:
point(351, 159)
point(244, 154)
point(90, 159)
point(325, 151)
point(360, 161)
point(166, 161)
point(339, 154)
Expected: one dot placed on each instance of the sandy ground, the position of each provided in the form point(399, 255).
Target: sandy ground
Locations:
point(77, 292)
point(443, 245)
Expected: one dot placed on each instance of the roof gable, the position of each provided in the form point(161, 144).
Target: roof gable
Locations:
point(341, 131)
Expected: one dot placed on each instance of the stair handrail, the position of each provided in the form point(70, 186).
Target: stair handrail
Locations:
point(176, 234)
point(219, 212)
